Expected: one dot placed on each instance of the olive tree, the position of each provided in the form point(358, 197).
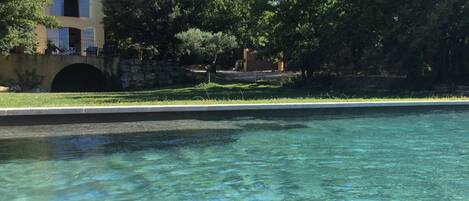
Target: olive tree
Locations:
point(206, 45)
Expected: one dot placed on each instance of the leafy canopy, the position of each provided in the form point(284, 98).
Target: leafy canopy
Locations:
point(425, 40)
point(206, 45)
point(18, 19)
point(142, 25)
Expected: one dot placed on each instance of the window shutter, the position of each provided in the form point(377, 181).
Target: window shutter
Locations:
point(64, 39)
point(88, 37)
point(57, 8)
point(84, 8)
point(53, 36)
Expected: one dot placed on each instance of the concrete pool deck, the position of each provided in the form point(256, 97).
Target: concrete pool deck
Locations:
point(56, 111)
point(18, 123)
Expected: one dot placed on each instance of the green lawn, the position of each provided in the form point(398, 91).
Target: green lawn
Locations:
point(227, 93)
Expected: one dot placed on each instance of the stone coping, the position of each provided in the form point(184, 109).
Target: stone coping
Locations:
point(11, 112)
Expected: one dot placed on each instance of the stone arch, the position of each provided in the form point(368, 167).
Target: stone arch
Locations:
point(79, 77)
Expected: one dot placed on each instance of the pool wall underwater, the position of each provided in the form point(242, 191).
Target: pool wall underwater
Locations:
point(209, 108)
point(355, 153)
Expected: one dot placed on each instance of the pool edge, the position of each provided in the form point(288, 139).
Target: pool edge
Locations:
point(41, 111)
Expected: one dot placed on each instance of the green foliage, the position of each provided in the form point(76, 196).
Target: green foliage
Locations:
point(18, 19)
point(420, 38)
point(424, 40)
point(29, 79)
point(138, 25)
point(143, 28)
point(206, 45)
point(240, 18)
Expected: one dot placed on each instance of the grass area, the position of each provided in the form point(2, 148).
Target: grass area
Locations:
point(226, 93)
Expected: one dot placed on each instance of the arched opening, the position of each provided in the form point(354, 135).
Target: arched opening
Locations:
point(79, 78)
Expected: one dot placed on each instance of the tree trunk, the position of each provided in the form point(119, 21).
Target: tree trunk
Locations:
point(211, 69)
point(303, 72)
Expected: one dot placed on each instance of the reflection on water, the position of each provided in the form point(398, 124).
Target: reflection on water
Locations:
point(76, 146)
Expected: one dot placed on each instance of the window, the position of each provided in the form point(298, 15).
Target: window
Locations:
point(71, 8)
point(59, 37)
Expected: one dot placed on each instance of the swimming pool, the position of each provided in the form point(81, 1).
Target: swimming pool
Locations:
point(349, 155)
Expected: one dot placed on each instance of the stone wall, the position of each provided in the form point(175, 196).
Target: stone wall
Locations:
point(137, 74)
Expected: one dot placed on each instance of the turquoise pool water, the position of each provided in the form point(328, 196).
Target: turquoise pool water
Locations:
point(417, 155)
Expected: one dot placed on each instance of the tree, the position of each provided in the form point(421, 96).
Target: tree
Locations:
point(208, 46)
point(143, 28)
point(139, 26)
point(240, 18)
point(295, 33)
point(427, 40)
point(18, 19)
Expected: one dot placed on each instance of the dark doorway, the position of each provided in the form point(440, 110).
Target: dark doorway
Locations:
point(71, 8)
point(75, 40)
point(79, 78)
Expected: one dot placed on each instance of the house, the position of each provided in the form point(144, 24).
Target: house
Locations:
point(81, 29)
point(251, 62)
point(71, 65)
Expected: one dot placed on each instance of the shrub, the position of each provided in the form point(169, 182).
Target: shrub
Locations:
point(29, 79)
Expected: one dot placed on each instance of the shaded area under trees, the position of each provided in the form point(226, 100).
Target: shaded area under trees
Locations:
point(425, 40)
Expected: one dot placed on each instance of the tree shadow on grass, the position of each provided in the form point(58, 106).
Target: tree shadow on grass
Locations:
point(189, 93)
point(244, 91)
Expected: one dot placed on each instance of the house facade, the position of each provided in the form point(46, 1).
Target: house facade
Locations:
point(81, 29)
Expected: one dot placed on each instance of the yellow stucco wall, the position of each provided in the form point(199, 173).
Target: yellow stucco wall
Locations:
point(95, 20)
point(47, 66)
